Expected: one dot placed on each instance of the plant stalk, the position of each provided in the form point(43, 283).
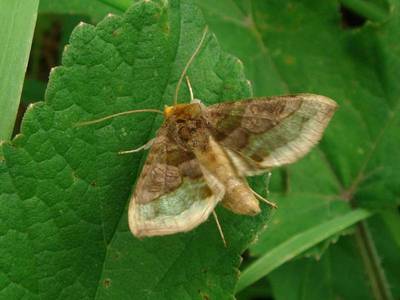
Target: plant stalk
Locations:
point(378, 282)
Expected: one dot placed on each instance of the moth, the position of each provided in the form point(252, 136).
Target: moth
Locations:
point(202, 155)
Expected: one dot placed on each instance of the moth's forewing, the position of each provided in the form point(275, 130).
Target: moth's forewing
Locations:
point(260, 134)
point(172, 193)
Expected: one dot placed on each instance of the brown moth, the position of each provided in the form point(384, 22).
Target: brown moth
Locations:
point(201, 156)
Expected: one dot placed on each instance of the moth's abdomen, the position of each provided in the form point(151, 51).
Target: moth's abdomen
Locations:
point(239, 198)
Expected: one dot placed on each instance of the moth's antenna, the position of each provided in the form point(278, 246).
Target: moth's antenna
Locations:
point(219, 228)
point(190, 89)
point(117, 115)
point(178, 86)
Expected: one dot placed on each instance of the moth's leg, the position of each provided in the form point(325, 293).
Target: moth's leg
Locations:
point(190, 89)
point(219, 228)
point(143, 147)
point(267, 182)
point(259, 197)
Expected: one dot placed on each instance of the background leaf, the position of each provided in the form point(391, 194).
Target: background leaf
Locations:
point(63, 189)
point(332, 277)
point(296, 245)
point(96, 9)
point(311, 46)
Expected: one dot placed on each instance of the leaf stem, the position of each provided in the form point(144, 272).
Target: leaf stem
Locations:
point(366, 9)
point(376, 275)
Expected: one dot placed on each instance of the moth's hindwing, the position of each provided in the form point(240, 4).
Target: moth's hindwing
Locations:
point(173, 194)
point(260, 134)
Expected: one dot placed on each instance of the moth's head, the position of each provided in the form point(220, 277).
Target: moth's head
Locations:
point(186, 124)
point(183, 111)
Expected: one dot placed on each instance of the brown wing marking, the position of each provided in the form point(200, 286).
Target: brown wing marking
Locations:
point(260, 134)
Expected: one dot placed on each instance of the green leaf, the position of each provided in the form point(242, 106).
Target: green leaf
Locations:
point(333, 277)
point(52, 33)
point(302, 46)
point(17, 23)
point(340, 269)
point(297, 244)
point(64, 189)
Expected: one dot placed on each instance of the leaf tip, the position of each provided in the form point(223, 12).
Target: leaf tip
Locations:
point(82, 24)
point(249, 84)
point(30, 107)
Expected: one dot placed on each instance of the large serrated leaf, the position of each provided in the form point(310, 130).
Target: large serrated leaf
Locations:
point(64, 189)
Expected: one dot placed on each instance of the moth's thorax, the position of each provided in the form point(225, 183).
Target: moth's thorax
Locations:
point(187, 125)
